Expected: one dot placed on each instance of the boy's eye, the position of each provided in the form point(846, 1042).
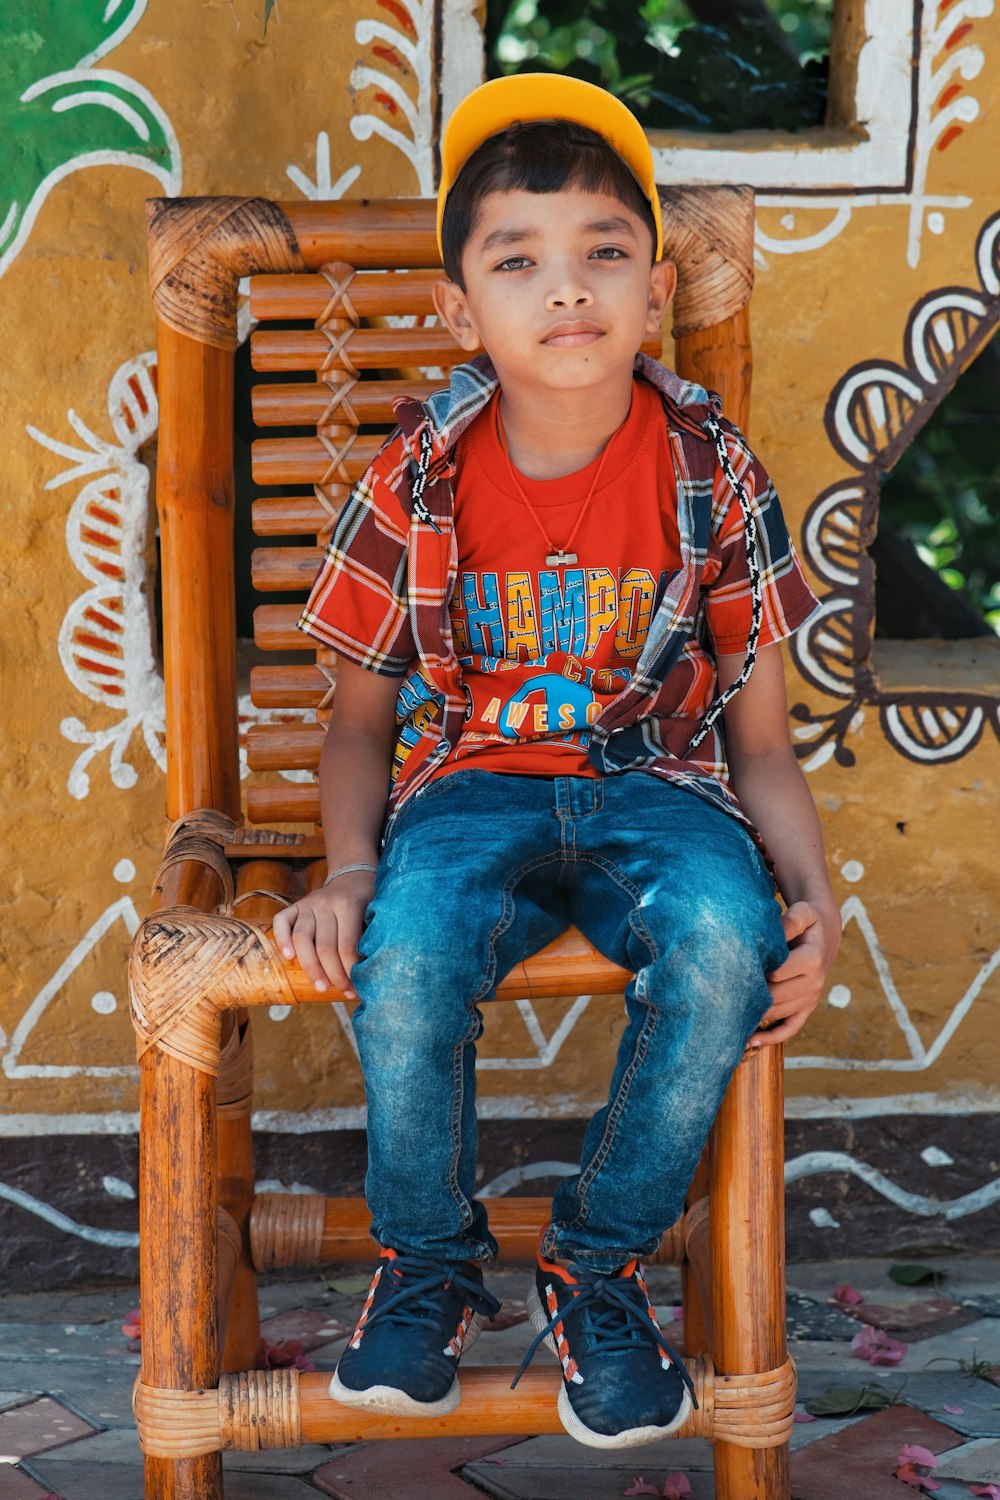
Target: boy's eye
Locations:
point(609, 252)
point(514, 263)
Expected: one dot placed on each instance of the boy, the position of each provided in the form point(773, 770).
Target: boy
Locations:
point(557, 574)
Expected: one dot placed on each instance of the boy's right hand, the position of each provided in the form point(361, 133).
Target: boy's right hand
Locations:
point(323, 930)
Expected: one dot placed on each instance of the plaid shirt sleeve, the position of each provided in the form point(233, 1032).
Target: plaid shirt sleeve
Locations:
point(787, 599)
point(358, 604)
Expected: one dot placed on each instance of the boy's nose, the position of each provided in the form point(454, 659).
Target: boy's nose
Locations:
point(570, 294)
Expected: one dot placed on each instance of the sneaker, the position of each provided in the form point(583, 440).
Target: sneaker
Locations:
point(419, 1318)
point(622, 1383)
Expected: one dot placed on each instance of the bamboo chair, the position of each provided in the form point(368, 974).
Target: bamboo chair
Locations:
point(204, 954)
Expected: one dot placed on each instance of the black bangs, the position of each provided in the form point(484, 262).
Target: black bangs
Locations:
point(542, 157)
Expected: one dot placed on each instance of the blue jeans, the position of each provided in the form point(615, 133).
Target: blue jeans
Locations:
point(481, 870)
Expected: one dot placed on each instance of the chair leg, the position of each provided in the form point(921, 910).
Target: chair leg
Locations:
point(694, 1272)
point(178, 1254)
point(241, 1336)
point(747, 1235)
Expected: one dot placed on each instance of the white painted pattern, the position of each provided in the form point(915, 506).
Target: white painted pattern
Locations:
point(323, 186)
point(123, 910)
point(879, 161)
point(921, 1055)
point(118, 1239)
point(809, 1164)
point(944, 1102)
point(412, 134)
point(106, 638)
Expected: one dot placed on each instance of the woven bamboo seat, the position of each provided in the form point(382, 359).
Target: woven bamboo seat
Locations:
point(203, 957)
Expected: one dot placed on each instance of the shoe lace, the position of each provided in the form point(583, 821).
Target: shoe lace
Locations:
point(421, 1282)
point(615, 1316)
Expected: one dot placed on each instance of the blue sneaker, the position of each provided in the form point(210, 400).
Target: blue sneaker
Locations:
point(622, 1383)
point(419, 1318)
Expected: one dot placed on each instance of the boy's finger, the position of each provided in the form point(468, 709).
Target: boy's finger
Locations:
point(281, 930)
point(329, 956)
point(304, 938)
point(782, 1031)
point(797, 919)
point(351, 928)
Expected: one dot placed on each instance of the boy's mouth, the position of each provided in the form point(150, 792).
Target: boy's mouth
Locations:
point(570, 334)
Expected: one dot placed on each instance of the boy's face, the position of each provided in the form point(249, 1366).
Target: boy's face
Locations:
point(560, 291)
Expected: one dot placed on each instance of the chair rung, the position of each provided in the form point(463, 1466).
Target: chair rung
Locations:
point(275, 628)
point(300, 846)
point(371, 293)
point(294, 515)
point(288, 686)
point(363, 348)
point(275, 569)
point(306, 461)
point(283, 804)
point(285, 747)
point(369, 401)
point(306, 1229)
point(283, 1408)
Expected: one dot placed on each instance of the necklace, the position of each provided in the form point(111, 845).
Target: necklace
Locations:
point(558, 556)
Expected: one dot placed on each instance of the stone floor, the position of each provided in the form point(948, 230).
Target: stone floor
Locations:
point(67, 1368)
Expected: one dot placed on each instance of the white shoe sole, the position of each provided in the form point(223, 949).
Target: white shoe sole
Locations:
point(388, 1400)
point(632, 1437)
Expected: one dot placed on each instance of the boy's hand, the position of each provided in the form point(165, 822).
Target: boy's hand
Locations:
point(813, 934)
point(323, 930)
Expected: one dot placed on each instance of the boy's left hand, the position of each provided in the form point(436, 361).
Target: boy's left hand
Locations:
point(813, 934)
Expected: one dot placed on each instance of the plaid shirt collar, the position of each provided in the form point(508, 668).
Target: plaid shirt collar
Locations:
point(449, 412)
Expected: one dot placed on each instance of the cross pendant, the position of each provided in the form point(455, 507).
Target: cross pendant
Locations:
point(559, 559)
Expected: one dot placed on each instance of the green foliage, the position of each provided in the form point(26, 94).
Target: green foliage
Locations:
point(847, 1401)
point(944, 493)
point(910, 1275)
point(674, 71)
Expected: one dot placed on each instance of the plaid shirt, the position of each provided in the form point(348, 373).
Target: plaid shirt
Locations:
point(395, 538)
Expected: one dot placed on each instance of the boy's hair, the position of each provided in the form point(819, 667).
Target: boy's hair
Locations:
point(544, 156)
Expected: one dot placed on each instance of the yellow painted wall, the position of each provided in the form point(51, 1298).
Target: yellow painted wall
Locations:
point(907, 1022)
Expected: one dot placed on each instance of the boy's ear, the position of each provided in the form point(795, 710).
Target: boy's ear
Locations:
point(452, 308)
point(662, 285)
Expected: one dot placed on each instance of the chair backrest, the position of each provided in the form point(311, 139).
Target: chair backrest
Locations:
point(356, 278)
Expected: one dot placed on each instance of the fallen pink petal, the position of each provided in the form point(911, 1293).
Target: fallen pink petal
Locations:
point(954, 1411)
point(877, 1347)
point(988, 1491)
point(640, 1487)
point(912, 1453)
point(676, 1487)
point(909, 1475)
point(803, 1416)
point(132, 1326)
point(289, 1354)
point(848, 1294)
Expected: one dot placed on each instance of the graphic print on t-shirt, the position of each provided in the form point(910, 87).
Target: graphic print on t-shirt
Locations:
point(542, 653)
point(543, 650)
point(527, 616)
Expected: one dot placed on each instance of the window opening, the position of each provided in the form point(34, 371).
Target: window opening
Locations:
point(702, 65)
point(937, 550)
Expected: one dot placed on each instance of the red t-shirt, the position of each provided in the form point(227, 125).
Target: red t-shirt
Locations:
point(544, 649)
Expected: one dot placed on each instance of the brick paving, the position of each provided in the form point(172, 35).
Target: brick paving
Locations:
point(66, 1369)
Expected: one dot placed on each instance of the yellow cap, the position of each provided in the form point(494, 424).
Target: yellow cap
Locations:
point(523, 98)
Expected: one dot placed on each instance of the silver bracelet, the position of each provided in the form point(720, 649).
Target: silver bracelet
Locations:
point(346, 870)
